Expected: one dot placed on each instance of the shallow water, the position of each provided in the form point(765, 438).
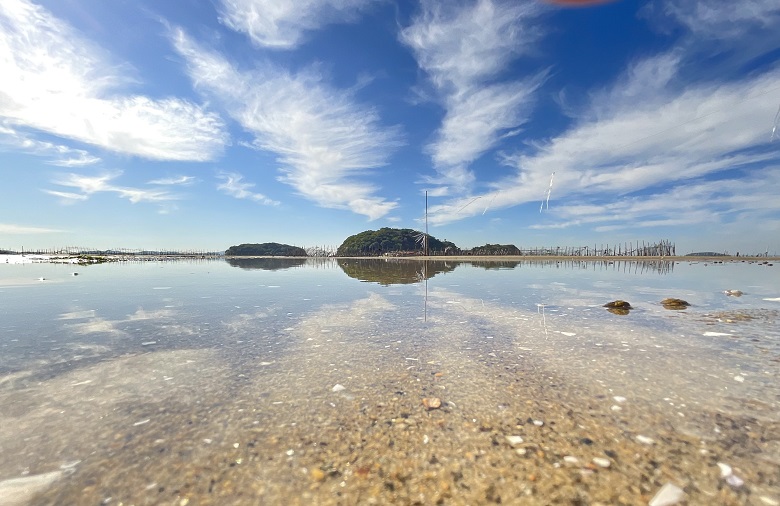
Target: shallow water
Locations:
point(163, 382)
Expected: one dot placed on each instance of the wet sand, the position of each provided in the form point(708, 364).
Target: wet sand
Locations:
point(222, 426)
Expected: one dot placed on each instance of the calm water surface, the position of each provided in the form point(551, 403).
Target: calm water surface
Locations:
point(126, 348)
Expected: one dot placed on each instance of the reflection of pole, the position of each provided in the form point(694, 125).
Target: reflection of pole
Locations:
point(425, 304)
point(426, 223)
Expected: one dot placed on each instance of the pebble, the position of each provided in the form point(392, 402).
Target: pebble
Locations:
point(645, 440)
point(739, 378)
point(619, 398)
point(569, 459)
point(615, 407)
point(538, 423)
point(338, 388)
point(431, 402)
point(601, 462)
point(769, 501)
point(725, 470)
point(514, 440)
point(668, 495)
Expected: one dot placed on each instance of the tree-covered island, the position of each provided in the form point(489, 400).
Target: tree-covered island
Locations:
point(394, 242)
point(266, 249)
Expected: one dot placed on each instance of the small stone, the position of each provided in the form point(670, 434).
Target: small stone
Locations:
point(601, 462)
point(569, 459)
point(619, 398)
point(725, 470)
point(431, 402)
point(235, 445)
point(538, 423)
point(514, 440)
point(645, 440)
point(769, 501)
point(521, 451)
point(668, 495)
point(739, 379)
point(317, 474)
point(735, 481)
point(615, 407)
point(290, 452)
point(338, 388)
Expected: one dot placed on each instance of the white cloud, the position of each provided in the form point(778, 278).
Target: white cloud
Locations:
point(234, 186)
point(178, 180)
point(9, 228)
point(60, 155)
point(57, 82)
point(281, 24)
point(464, 48)
point(322, 137)
point(724, 18)
point(698, 203)
point(644, 134)
point(89, 185)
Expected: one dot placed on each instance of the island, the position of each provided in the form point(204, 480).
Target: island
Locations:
point(266, 249)
point(394, 242)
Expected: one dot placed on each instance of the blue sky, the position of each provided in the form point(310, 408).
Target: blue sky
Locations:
point(203, 124)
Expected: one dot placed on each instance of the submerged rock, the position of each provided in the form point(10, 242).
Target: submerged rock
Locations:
point(674, 304)
point(618, 304)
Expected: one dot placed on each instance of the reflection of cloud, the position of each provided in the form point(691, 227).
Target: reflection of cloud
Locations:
point(102, 325)
point(96, 325)
point(77, 315)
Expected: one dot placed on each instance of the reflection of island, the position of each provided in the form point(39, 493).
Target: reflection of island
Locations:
point(392, 271)
point(266, 264)
point(496, 265)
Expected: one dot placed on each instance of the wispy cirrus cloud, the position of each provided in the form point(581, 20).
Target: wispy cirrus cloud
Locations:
point(645, 139)
point(56, 81)
point(282, 24)
point(174, 181)
point(58, 154)
point(233, 184)
point(90, 185)
point(10, 228)
point(697, 203)
point(723, 19)
point(464, 49)
point(323, 138)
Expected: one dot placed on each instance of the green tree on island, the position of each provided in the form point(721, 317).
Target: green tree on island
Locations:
point(392, 241)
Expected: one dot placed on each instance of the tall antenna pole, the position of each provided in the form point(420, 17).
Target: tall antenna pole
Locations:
point(426, 223)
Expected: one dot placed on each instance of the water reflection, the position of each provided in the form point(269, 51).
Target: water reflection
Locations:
point(266, 264)
point(391, 271)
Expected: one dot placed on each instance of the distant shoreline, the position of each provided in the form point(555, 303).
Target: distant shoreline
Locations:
point(95, 259)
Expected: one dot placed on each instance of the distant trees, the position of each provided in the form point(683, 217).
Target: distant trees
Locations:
point(392, 240)
point(495, 249)
point(265, 249)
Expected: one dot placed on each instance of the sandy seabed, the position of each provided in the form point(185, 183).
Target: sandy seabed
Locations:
point(340, 418)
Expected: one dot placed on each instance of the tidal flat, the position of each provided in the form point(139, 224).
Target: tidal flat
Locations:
point(321, 381)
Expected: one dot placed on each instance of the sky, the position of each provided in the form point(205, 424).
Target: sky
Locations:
point(208, 123)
